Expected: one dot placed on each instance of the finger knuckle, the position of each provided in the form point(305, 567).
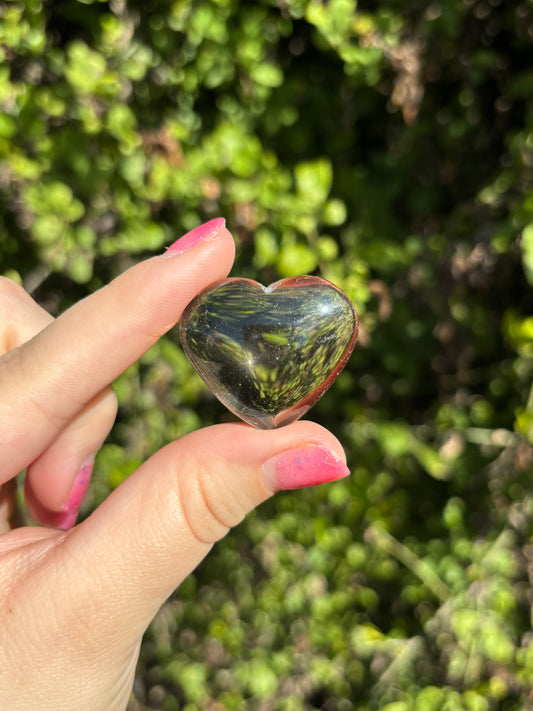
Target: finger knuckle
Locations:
point(107, 406)
point(209, 509)
point(10, 288)
point(10, 292)
point(11, 296)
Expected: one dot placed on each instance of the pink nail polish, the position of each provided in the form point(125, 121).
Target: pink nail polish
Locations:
point(305, 466)
point(65, 521)
point(67, 517)
point(193, 238)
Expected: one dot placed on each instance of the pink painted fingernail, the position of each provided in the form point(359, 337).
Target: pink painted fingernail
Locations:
point(67, 517)
point(193, 238)
point(305, 466)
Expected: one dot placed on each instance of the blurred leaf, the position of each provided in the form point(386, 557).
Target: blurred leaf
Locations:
point(313, 180)
point(527, 252)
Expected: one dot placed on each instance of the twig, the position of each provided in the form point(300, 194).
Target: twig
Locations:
point(398, 550)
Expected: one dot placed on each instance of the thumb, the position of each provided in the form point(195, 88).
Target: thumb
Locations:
point(152, 531)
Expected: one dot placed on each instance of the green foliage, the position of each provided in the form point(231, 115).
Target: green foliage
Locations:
point(387, 147)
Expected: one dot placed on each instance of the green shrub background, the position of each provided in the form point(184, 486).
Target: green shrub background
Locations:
point(388, 147)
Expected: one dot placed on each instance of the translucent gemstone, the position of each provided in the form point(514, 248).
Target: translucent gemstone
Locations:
point(269, 353)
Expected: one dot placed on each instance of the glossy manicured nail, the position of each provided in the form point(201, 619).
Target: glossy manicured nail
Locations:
point(305, 466)
point(193, 238)
point(69, 513)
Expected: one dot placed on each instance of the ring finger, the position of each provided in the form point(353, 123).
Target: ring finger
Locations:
point(51, 477)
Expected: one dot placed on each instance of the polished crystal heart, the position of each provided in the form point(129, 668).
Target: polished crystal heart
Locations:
point(269, 353)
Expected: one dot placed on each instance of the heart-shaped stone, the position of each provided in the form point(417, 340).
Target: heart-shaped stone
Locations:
point(269, 353)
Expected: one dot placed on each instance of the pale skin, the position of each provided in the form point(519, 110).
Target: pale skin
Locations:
point(75, 603)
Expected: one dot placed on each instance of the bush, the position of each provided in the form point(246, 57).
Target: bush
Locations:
point(387, 147)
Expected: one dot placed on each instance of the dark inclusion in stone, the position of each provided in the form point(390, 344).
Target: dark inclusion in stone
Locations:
point(269, 353)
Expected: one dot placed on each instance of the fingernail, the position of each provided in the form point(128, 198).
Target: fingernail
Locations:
point(193, 238)
point(66, 518)
point(305, 466)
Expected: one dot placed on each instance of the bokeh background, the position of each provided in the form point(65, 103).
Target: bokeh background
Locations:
point(387, 146)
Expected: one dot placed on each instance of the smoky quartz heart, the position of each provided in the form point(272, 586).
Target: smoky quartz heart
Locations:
point(269, 353)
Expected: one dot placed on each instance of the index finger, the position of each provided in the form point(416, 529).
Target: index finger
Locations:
point(49, 379)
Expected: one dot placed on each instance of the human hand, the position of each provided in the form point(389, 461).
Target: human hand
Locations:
point(75, 602)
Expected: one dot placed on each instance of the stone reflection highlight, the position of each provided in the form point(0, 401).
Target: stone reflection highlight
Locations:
point(269, 353)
